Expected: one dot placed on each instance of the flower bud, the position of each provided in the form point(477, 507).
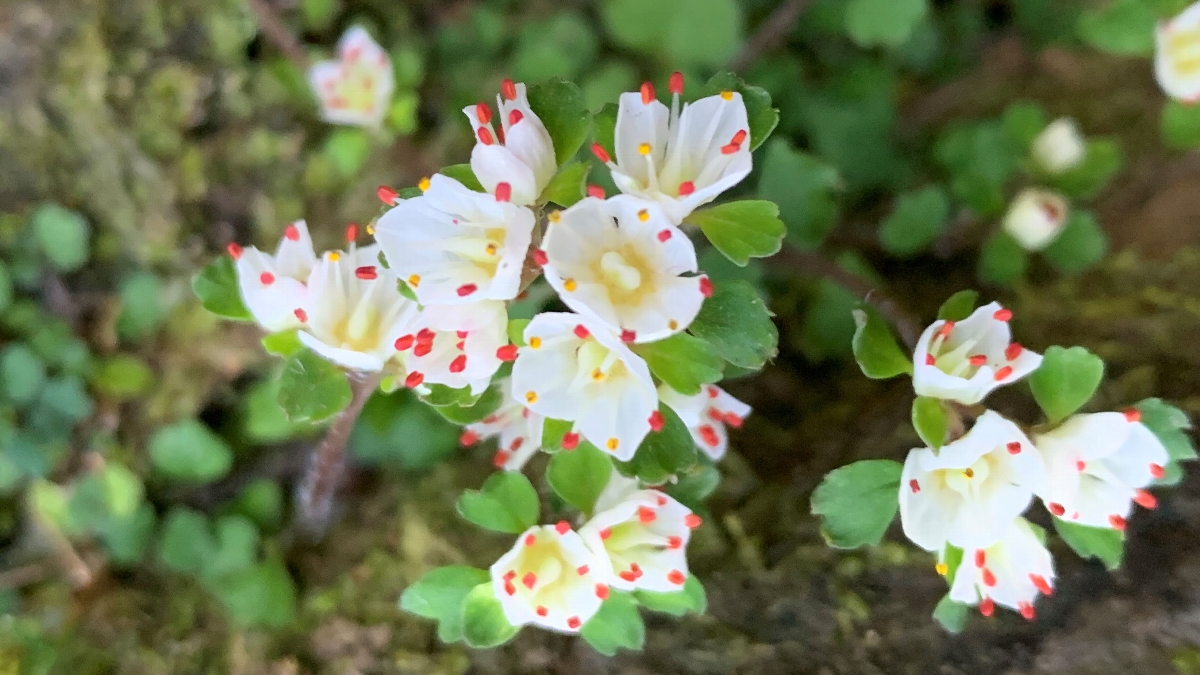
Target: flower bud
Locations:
point(1060, 147)
point(1176, 64)
point(1036, 217)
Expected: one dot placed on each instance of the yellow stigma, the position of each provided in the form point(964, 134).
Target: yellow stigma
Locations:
point(423, 184)
point(535, 342)
point(597, 375)
point(569, 285)
point(414, 280)
point(554, 216)
point(612, 444)
point(727, 95)
point(942, 569)
point(643, 215)
point(530, 397)
point(334, 256)
point(644, 149)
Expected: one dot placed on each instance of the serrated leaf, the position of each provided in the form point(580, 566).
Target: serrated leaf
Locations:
point(761, 114)
point(561, 107)
point(1066, 380)
point(931, 420)
point(568, 185)
point(959, 306)
point(616, 626)
point(742, 230)
point(216, 285)
point(952, 615)
point(441, 595)
point(691, 599)
point(312, 389)
point(507, 502)
point(682, 361)
point(483, 623)
point(663, 453)
point(284, 343)
point(1104, 544)
point(488, 403)
point(580, 475)
point(875, 348)
point(858, 502)
point(736, 322)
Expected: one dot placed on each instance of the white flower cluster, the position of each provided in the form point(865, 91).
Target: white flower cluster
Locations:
point(970, 493)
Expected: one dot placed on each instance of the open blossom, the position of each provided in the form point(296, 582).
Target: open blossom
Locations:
point(273, 287)
point(519, 430)
point(356, 88)
point(964, 361)
point(1036, 218)
point(573, 368)
point(550, 578)
point(639, 537)
point(969, 491)
point(1011, 572)
point(1177, 57)
point(1098, 466)
point(455, 345)
point(706, 415)
point(517, 165)
point(622, 262)
point(1060, 147)
point(681, 159)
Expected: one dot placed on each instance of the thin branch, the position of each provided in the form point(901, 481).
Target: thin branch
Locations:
point(770, 34)
point(18, 577)
point(277, 33)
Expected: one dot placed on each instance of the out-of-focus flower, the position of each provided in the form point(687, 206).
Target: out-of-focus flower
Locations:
point(1177, 57)
point(1036, 218)
point(356, 88)
point(1060, 147)
point(706, 415)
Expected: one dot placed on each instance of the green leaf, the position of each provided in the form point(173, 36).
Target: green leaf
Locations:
point(441, 595)
point(604, 127)
point(62, 236)
point(579, 475)
point(1023, 121)
point(1122, 27)
point(883, 23)
point(262, 595)
point(637, 24)
point(190, 451)
point(875, 348)
point(126, 538)
point(348, 149)
point(931, 420)
point(568, 185)
point(1086, 180)
point(1080, 245)
point(236, 550)
point(691, 599)
point(463, 174)
point(617, 625)
point(142, 309)
point(312, 389)
point(695, 485)
point(507, 502)
point(186, 544)
point(703, 32)
point(516, 331)
point(981, 158)
point(762, 116)
point(664, 453)
point(216, 284)
point(952, 557)
point(952, 615)
point(560, 106)
point(1002, 261)
point(742, 230)
point(22, 373)
point(738, 324)
point(284, 343)
point(1169, 424)
point(122, 376)
point(682, 361)
point(1105, 544)
point(319, 14)
point(552, 434)
point(1066, 380)
point(6, 287)
point(485, 405)
point(261, 501)
point(916, 222)
point(803, 186)
point(398, 430)
point(122, 489)
point(483, 622)
point(959, 306)
point(1181, 125)
point(563, 44)
point(858, 502)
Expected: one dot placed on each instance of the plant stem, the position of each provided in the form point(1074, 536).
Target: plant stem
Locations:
point(277, 33)
point(314, 497)
point(770, 34)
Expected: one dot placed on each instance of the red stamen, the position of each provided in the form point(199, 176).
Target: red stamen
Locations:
point(595, 191)
point(605, 533)
point(468, 438)
point(503, 192)
point(516, 444)
point(425, 335)
point(686, 188)
point(403, 342)
point(914, 486)
point(1026, 610)
point(733, 420)
point(539, 257)
point(466, 289)
point(664, 235)
point(508, 89)
point(1080, 465)
point(1002, 314)
point(715, 415)
point(530, 539)
point(648, 94)
point(1042, 585)
point(422, 348)
point(1157, 470)
point(367, 272)
point(646, 514)
point(500, 458)
point(573, 622)
point(987, 607)
point(485, 136)
point(989, 579)
point(710, 436)
point(570, 441)
point(929, 360)
point(978, 360)
point(674, 543)
point(1013, 351)
point(387, 195)
point(1117, 522)
point(301, 315)
point(628, 335)
point(515, 116)
point(529, 580)
point(676, 577)
point(483, 112)
point(459, 364)
point(1003, 373)
point(581, 332)
point(461, 333)
point(266, 278)
point(675, 84)
point(600, 153)
point(944, 331)
point(656, 421)
point(292, 232)
point(234, 250)
point(351, 232)
point(507, 353)
point(541, 611)
point(980, 558)
point(706, 287)
point(1133, 415)
point(1145, 499)
point(1056, 509)
point(1014, 448)
point(509, 588)
point(691, 521)
point(562, 527)
point(602, 591)
point(581, 570)
point(414, 379)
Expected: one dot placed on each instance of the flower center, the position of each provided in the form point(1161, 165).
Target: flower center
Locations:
point(959, 361)
point(620, 273)
point(483, 251)
point(595, 364)
point(359, 330)
point(969, 480)
point(1184, 49)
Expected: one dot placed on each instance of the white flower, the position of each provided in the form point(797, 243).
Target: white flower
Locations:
point(517, 166)
point(968, 492)
point(1177, 57)
point(274, 287)
point(620, 261)
point(680, 159)
point(453, 245)
point(639, 537)
point(550, 578)
point(574, 369)
point(964, 361)
point(519, 429)
point(356, 88)
point(354, 312)
point(1036, 218)
point(1060, 147)
point(455, 345)
point(1010, 572)
point(706, 415)
point(1098, 466)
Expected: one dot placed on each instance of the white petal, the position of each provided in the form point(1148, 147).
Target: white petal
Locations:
point(273, 305)
point(494, 164)
point(343, 357)
point(528, 139)
point(562, 593)
point(295, 257)
point(639, 123)
point(1177, 44)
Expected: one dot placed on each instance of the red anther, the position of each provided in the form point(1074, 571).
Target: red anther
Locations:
point(661, 500)
point(500, 458)
point(674, 543)
point(715, 415)
point(595, 191)
point(461, 345)
point(1026, 610)
point(710, 436)
point(1145, 499)
point(676, 577)
point(733, 420)
point(466, 289)
point(1003, 373)
point(713, 392)
point(582, 332)
point(468, 438)
point(266, 278)
point(351, 232)
point(366, 272)
point(509, 588)
point(1056, 509)
point(484, 135)
point(989, 579)
point(570, 441)
point(516, 444)
point(387, 195)
point(539, 257)
point(987, 607)
point(461, 333)
point(1002, 314)
point(507, 353)
point(648, 94)
point(946, 328)
point(646, 515)
point(914, 485)
point(691, 521)
point(675, 84)
point(510, 575)
point(541, 610)
point(234, 250)
point(980, 558)
point(686, 188)
point(978, 360)
point(1157, 470)
point(602, 591)
point(1012, 351)
point(1133, 415)
point(530, 539)
point(425, 335)
point(706, 287)
point(301, 315)
point(605, 533)
point(403, 342)
point(414, 379)
point(600, 153)
point(1080, 465)
point(483, 112)
point(738, 137)
point(1014, 448)
point(1042, 585)
point(562, 527)
point(633, 567)
point(459, 364)
point(656, 421)
point(508, 89)
point(581, 570)
point(664, 235)
point(422, 348)
point(529, 580)
point(503, 192)
point(929, 360)
point(292, 232)
point(573, 622)
point(1117, 522)
point(515, 116)
point(628, 335)
point(730, 149)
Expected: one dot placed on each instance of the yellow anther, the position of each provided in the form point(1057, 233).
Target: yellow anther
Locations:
point(334, 256)
point(371, 230)
point(414, 280)
point(644, 148)
point(727, 95)
point(535, 342)
point(569, 285)
point(612, 444)
point(554, 216)
point(672, 324)
point(969, 473)
point(942, 569)
point(597, 374)
point(643, 215)
point(531, 397)
point(423, 184)
point(491, 249)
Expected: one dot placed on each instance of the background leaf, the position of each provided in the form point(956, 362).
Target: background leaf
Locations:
point(742, 230)
point(737, 323)
point(858, 502)
point(1066, 380)
point(682, 361)
point(507, 502)
point(312, 389)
